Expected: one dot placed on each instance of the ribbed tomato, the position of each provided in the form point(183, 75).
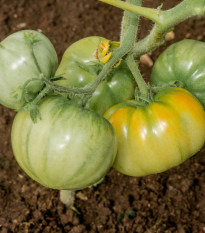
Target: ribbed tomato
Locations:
point(183, 62)
point(24, 55)
point(159, 136)
point(69, 148)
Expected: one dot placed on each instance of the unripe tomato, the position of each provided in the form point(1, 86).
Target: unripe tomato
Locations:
point(17, 65)
point(183, 62)
point(69, 148)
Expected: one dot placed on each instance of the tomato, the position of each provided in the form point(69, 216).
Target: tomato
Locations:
point(17, 65)
point(79, 67)
point(69, 148)
point(183, 61)
point(161, 135)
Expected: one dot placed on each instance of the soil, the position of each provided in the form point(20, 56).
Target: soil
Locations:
point(173, 201)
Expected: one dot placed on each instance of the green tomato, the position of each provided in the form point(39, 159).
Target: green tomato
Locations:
point(159, 136)
point(79, 67)
point(17, 65)
point(182, 62)
point(69, 148)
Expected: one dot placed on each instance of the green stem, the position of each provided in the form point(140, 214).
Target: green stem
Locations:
point(117, 55)
point(143, 11)
point(43, 93)
point(138, 104)
point(156, 89)
point(145, 100)
point(169, 19)
point(164, 21)
point(126, 45)
point(137, 75)
point(182, 11)
point(34, 103)
point(127, 21)
point(32, 106)
point(67, 90)
point(28, 82)
point(150, 42)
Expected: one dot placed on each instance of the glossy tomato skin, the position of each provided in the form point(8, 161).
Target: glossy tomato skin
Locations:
point(159, 136)
point(183, 61)
point(17, 64)
point(69, 148)
point(117, 87)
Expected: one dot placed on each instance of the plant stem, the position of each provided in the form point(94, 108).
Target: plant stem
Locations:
point(116, 56)
point(128, 39)
point(164, 21)
point(169, 19)
point(146, 12)
point(34, 102)
point(67, 90)
point(182, 11)
point(41, 95)
point(127, 21)
point(137, 75)
point(150, 42)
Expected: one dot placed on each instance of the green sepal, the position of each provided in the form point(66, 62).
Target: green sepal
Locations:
point(29, 91)
point(90, 67)
point(57, 77)
point(18, 94)
point(142, 100)
point(30, 38)
point(33, 109)
point(114, 44)
point(176, 83)
point(35, 114)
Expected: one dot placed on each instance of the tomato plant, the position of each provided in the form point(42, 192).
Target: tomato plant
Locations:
point(24, 55)
point(183, 62)
point(69, 148)
point(79, 67)
point(160, 135)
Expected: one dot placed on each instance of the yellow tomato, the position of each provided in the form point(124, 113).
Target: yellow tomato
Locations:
point(158, 136)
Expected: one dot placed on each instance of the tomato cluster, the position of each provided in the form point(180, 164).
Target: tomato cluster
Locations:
point(159, 136)
point(73, 146)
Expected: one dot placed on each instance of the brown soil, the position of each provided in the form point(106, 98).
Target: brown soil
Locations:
point(173, 201)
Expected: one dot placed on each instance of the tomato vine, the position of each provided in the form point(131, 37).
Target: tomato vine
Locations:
point(146, 108)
